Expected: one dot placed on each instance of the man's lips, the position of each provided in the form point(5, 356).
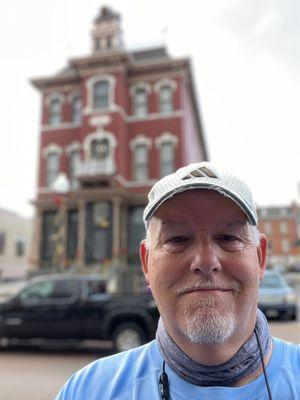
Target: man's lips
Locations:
point(208, 289)
point(216, 289)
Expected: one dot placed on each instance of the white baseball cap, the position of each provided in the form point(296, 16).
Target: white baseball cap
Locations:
point(202, 175)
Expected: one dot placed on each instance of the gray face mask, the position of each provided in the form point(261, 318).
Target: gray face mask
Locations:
point(244, 362)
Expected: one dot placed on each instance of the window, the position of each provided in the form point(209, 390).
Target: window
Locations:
point(285, 246)
point(140, 102)
point(140, 167)
point(51, 290)
point(136, 231)
point(20, 247)
point(165, 99)
point(72, 234)
point(166, 158)
point(2, 242)
point(100, 149)
point(98, 232)
point(48, 231)
point(101, 94)
point(52, 168)
point(267, 227)
point(76, 110)
point(283, 228)
point(74, 161)
point(55, 111)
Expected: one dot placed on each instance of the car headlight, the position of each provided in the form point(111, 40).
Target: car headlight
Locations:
point(290, 298)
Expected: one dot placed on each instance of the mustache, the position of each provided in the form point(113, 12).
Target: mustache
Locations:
point(190, 287)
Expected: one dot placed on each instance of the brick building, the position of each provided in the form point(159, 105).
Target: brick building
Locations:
point(281, 224)
point(112, 123)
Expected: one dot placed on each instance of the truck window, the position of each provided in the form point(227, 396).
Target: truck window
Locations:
point(50, 290)
point(96, 287)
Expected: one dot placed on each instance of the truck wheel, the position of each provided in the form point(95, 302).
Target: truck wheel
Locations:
point(128, 335)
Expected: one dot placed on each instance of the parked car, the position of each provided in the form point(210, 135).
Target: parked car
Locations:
point(276, 298)
point(78, 307)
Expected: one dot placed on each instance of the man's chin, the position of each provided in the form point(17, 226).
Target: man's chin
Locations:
point(209, 327)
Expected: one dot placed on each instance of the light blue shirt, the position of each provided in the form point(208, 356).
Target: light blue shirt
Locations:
point(134, 375)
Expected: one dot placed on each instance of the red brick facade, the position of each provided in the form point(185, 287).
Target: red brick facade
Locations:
point(138, 116)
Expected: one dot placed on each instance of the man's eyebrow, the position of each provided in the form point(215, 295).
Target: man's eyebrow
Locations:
point(169, 222)
point(230, 224)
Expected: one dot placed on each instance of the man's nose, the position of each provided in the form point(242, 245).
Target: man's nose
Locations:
point(205, 259)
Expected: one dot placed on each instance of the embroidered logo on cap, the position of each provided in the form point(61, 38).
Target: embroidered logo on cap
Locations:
point(202, 172)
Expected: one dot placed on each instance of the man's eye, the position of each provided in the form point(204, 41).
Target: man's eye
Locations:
point(178, 239)
point(228, 238)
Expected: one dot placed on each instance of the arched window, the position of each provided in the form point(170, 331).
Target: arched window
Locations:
point(55, 111)
point(100, 149)
point(141, 162)
point(74, 161)
point(166, 158)
point(140, 102)
point(166, 144)
point(165, 99)
point(52, 167)
point(76, 109)
point(101, 94)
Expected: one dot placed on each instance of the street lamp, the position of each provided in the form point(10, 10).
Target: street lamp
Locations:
point(61, 187)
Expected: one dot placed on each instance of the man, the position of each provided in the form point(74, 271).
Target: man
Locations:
point(203, 259)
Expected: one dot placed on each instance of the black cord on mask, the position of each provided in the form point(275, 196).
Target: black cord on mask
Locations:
point(164, 384)
point(263, 364)
point(164, 381)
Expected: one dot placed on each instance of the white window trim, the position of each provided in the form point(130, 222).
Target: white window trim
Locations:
point(73, 146)
point(140, 139)
point(165, 82)
point(52, 148)
point(140, 85)
point(54, 96)
point(90, 85)
point(71, 96)
point(99, 136)
point(166, 137)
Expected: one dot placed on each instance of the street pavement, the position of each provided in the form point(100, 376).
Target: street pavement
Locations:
point(31, 373)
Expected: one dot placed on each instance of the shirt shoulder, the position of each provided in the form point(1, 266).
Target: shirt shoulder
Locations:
point(289, 355)
point(111, 377)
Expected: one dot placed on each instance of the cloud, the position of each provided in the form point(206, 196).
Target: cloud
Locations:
point(270, 26)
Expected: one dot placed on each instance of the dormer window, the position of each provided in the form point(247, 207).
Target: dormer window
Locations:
point(100, 95)
point(76, 109)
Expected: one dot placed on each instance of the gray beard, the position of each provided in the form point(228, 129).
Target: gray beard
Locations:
point(205, 324)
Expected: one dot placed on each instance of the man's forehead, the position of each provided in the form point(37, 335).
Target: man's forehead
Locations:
point(181, 223)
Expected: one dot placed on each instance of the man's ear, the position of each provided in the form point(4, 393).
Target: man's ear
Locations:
point(144, 255)
point(262, 253)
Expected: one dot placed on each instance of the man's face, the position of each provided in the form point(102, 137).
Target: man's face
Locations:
point(203, 267)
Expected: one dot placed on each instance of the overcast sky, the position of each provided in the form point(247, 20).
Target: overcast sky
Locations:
point(245, 56)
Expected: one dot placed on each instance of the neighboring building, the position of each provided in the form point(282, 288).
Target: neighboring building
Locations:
point(281, 225)
point(113, 122)
point(15, 233)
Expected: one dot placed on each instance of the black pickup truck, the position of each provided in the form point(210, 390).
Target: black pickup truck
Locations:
point(78, 307)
